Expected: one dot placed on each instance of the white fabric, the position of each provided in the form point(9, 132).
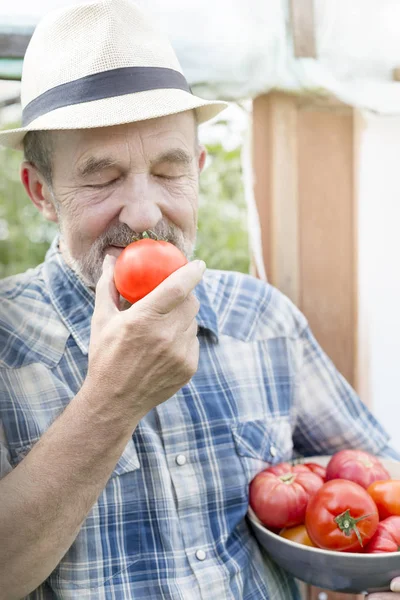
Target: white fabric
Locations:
point(233, 49)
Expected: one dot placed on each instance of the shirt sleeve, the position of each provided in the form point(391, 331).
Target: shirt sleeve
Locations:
point(5, 464)
point(389, 452)
point(329, 415)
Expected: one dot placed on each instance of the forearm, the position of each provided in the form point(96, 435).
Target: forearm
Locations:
point(45, 499)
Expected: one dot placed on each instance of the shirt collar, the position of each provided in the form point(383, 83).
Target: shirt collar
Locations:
point(74, 301)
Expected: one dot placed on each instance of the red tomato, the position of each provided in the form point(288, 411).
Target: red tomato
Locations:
point(297, 534)
point(341, 516)
point(279, 495)
point(386, 495)
point(357, 466)
point(386, 538)
point(313, 467)
point(143, 265)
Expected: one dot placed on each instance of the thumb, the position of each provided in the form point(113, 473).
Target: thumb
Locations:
point(107, 296)
point(175, 288)
point(395, 584)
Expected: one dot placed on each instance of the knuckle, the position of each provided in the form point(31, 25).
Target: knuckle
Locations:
point(163, 340)
point(177, 292)
point(192, 360)
point(191, 368)
point(194, 304)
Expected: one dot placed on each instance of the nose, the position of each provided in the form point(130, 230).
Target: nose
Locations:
point(140, 210)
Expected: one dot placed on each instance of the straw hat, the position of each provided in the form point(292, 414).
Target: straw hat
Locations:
point(99, 64)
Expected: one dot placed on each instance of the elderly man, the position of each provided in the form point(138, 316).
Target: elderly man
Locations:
point(129, 435)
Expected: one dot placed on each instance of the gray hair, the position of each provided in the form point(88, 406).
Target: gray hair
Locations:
point(38, 146)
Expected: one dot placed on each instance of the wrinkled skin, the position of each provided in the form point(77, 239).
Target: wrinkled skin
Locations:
point(111, 184)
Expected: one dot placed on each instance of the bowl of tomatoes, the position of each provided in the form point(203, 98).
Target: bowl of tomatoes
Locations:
point(331, 521)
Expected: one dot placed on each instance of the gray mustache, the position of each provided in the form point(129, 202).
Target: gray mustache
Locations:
point(123, 237)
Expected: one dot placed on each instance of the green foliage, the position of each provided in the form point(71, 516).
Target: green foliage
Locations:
point(222, 239)
point(24, 234)
point(222, 236)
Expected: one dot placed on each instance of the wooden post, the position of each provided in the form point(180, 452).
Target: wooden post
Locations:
point(275, 133)
point(305, 157)
point(304, 163)
point(327, 225)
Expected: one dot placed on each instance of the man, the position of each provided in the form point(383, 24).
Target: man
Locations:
point(129, 437)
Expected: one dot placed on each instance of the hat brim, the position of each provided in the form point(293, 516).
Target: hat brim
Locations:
point(129, 108)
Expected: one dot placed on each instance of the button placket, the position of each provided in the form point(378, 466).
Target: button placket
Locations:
point(180, 460)
point(272, 451)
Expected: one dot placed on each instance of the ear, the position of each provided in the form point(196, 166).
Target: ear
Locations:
point(202, 158)
point(38, 191)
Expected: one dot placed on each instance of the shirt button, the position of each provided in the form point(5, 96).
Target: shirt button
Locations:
point(200, 555)
point(272, 451)
point(180, 460)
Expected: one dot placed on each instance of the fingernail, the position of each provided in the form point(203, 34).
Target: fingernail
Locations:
point(395, 585)
point(201, 264)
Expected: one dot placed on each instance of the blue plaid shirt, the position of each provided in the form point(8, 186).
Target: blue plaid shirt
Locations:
point(171, 521)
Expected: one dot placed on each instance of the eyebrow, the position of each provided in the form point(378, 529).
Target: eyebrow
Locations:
point(94, 165)
point(176, 155)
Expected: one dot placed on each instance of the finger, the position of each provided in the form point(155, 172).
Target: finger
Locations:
point(395, 584)
point(174, 290)
point(193, 329)
point(383, 596)
point(107, 297)
point(193, 349)
point(187, 311)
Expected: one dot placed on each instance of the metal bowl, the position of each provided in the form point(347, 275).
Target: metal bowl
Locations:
point(346, 572)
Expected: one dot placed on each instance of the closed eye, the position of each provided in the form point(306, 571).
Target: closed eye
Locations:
point(102, 185)
point(168, 176)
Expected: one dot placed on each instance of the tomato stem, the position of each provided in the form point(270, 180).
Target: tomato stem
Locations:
point(348, 524)
point(288, 478)
point(151, 234)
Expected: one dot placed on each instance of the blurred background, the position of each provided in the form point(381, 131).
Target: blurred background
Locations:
point(301, 186)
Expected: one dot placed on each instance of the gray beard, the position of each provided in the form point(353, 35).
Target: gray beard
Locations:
point(88, 266)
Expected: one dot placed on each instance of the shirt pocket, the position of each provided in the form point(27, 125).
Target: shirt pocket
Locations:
point(262, 443)
point(108, 542)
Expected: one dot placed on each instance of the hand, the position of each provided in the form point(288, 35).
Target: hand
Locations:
point(393, 595)
point(141, 356)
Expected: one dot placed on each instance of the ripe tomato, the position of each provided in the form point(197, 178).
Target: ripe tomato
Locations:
point(386, 538)
point(279, 495)
point(341, 516)
point(357, 466)
point(313, 467)
point(143, 265)
point(297, 534)
point(386, 495)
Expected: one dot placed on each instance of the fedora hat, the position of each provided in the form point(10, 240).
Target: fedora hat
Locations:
point(99, 64)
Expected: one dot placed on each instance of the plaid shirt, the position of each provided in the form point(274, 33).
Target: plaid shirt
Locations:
point(170, 523)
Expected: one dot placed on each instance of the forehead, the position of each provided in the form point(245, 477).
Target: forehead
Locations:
point(144, 137)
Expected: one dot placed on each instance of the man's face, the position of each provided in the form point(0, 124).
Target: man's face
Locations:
point(112, 183)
